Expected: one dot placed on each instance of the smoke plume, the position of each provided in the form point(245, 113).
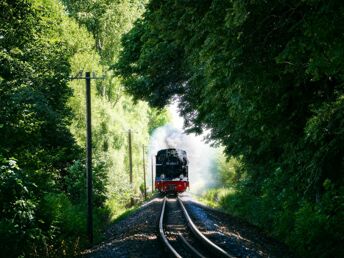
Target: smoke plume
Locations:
point(201, 156)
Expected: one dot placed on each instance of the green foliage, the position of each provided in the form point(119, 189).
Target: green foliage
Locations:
point(107, 21)
point(157, 118)
point(257, 103)
point(113, 112)
point(311, 229)
point(325, 221)
point(66, 224)
point(42, 123)
point(228, 169)
point(34, 68)
point(267, 79)
point(34, 122)
point(17, 210)
point(213, 197)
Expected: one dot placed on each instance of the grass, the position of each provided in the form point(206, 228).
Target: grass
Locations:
point(119, 211)
point(214, 197)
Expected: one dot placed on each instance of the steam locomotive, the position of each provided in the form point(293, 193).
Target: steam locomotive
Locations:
point(171, 171)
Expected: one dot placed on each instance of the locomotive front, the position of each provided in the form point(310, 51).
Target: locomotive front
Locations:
point(171, 171)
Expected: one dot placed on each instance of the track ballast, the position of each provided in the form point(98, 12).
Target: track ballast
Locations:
point(180, 236)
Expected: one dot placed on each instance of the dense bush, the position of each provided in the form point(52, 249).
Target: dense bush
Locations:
point(311, 229)
point(20, 231)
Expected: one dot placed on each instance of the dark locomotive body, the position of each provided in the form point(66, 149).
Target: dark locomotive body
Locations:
point(171, 171)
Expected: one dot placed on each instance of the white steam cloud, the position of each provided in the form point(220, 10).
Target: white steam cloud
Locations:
point(201, 156)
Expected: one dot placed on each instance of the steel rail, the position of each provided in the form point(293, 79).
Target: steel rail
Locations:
point(215, 249)
point(162, 232)
point(191, 248)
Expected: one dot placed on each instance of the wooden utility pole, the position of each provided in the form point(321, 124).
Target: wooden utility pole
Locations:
point(89, 159)
point(89, 180)
point(144, 170)
point(130, 166)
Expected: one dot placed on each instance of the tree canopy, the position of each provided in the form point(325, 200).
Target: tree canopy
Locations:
point(265, 77)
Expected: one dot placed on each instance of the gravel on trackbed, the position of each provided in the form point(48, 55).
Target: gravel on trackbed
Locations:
point(235, 236)
point(133, 236)
point(137, 234)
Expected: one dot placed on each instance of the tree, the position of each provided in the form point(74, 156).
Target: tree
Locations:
point(255, 73)
point(37, 146)
point(265, 77)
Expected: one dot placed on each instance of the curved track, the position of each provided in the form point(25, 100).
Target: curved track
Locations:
point(181, 247)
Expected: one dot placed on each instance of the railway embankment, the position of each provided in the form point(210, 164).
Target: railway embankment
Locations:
point(232, 234)
point(137, 235)
point(132, 236)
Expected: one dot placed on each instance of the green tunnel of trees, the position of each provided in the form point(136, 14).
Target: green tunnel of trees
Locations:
point(265, 78)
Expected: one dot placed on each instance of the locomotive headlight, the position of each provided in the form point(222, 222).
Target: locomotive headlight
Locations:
point(162, 176)
point(181, 176)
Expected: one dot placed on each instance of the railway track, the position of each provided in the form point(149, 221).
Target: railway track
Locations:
point(181, 237)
